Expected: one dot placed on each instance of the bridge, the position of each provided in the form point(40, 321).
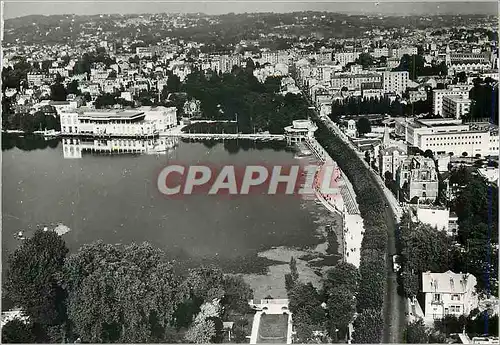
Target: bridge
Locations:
point(258, 136)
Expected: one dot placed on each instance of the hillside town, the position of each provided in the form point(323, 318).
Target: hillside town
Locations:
point(407, 108)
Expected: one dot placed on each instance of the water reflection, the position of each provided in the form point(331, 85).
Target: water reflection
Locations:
point(76, 147)
point(28, 142)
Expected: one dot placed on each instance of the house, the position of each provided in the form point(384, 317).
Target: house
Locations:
point(418, 178)
point(448, 293)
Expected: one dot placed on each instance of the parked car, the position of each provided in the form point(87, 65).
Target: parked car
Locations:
point(396, 266)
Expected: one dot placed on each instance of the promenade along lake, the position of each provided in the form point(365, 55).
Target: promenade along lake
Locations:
point(114, 198)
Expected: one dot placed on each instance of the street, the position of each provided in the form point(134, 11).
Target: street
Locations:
point(394, 304)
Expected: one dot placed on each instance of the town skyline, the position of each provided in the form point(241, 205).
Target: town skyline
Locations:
point(384, 7)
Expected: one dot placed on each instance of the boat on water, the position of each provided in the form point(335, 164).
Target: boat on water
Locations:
point(51, 134)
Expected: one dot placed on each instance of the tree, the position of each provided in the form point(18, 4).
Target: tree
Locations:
point(32, 278)
point(365, 60)
point(173, 83)
point(344, 275)
point(363, 126)
point(293, 269)
point(416, 333)
point(18, 331)
point(240, 330)
point(428, 154)
point(206, 283)
point(367, 327)
point(341, 306)
point(201, 332)
point(237, 293)
point(58, 92)
point(73, 88)
point(121, 293)
point(304, 298)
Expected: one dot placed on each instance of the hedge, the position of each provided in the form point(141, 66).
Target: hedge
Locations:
point(371, 204)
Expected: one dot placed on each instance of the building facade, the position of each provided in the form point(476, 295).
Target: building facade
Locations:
point(127, 123)
point(395, 82)
point(418, 178)
point(438, 95)
point(456, 106)
point(448, 293)
point(450, 136)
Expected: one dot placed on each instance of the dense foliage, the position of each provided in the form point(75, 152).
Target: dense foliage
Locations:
point(116, 293)
point(373, 247)
point(239, 96)
point(367, 327)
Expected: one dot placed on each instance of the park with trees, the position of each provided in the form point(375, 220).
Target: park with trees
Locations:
point(118, 293)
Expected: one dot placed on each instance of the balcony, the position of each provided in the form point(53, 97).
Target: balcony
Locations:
point(436, 302)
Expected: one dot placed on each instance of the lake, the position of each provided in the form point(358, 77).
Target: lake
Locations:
point(114, 198)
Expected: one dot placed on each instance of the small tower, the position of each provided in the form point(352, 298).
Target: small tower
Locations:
point(386, 140)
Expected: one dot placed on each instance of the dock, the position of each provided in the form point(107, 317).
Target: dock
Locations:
point(219, 136)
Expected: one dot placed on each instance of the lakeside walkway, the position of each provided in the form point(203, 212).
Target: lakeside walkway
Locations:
point(394, 204)
point(344, 204)
point(257, 136)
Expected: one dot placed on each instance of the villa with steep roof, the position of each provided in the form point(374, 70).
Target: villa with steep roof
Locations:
point(448, 293)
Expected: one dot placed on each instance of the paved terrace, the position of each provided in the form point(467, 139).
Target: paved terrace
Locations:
point(271, 307)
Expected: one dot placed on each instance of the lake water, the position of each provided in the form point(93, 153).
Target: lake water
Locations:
point(114, 198)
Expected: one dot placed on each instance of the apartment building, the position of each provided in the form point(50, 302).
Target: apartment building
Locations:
point(395, 82)
point(448, 293)
point(398, 53)
point(35, 79)
point(354, 81)
point(456, 106)
point(344, 58)
point(269, 57)
point(452, 90)
point(225, 63)
point(379, 52)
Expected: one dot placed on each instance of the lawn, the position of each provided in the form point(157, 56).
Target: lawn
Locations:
point(273, 328)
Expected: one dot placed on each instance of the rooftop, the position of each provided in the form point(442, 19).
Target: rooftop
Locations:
point(446, 282)
point(111, 113)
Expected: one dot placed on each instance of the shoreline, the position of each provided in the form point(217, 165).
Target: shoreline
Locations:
point(311, 262)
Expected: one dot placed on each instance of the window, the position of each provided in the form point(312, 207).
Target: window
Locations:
point(455, 297)
point(437, 297)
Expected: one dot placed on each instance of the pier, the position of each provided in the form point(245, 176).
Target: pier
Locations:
point(217, 136)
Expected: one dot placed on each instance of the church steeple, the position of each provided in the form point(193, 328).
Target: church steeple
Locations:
point(385, 140)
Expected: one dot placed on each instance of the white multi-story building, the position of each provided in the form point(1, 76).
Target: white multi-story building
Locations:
point(395, 82)
point(379, 52)
point(399, 52)
point(354, 81)
point(456, 106)
point(35, 79)
point(443, 136)
point(270, 57)
point(437, 96)
point(438, 217)
point(225, 63)
point(448, 293)
point(345, 57)
point(141, 122)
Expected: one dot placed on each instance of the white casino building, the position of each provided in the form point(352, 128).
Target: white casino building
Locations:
point(140, 122)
